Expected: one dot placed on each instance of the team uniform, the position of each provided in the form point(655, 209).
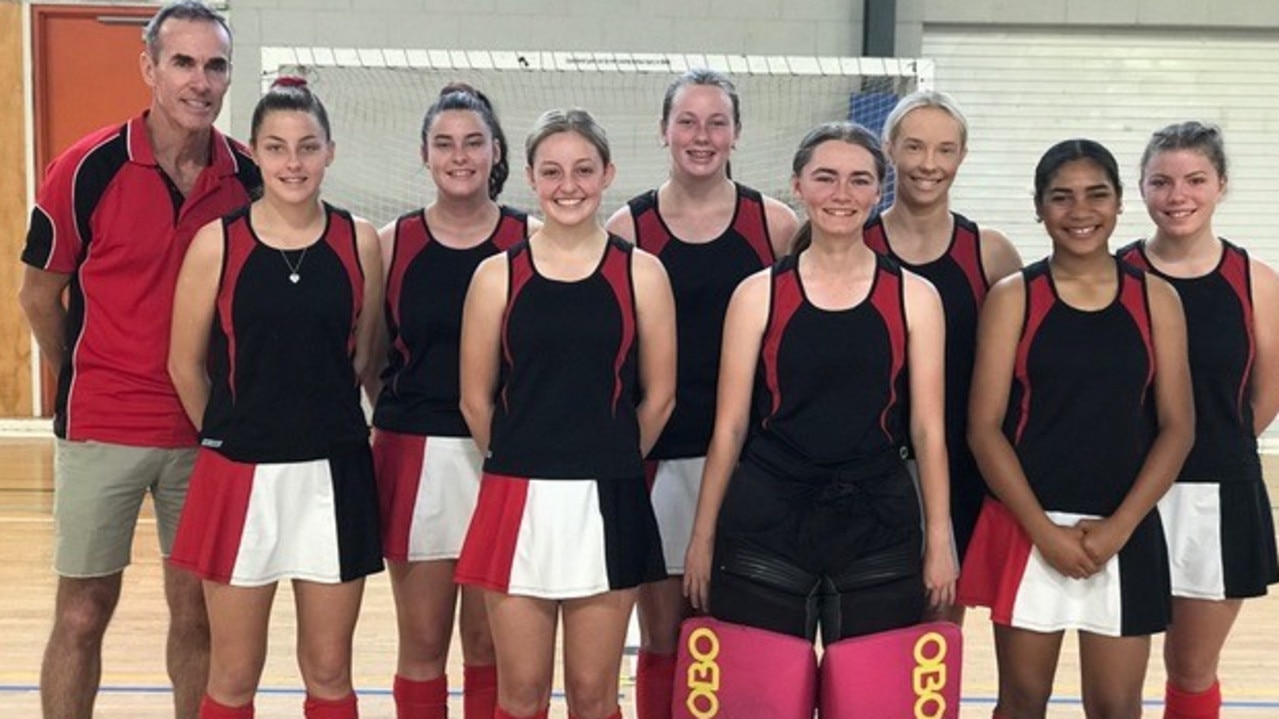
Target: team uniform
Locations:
point(428, 467)
point(1081, 418)
point(563, 511)
point(108, 215)
point(961, 283)
point(821, 517)
point(283, 485)
point(703, 276)
point(1221, 536)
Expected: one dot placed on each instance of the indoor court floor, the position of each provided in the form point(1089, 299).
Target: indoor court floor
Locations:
point(134, 683)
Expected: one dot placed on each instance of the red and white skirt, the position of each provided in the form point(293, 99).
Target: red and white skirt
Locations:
point(560, 538)
point(427, 489)
point(1003, 570)
point(251, 525)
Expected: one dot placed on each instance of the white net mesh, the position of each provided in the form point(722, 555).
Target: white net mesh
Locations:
point(376, 100)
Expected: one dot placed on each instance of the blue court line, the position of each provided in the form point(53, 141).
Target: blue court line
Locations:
point(456, 693)
point(1148, 703)
point(161, 689)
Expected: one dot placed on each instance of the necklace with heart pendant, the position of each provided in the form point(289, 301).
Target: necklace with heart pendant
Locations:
point(295, 275)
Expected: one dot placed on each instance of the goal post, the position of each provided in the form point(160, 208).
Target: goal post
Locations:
point(376, 99)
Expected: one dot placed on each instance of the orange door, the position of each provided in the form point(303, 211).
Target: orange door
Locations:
point(85, 75)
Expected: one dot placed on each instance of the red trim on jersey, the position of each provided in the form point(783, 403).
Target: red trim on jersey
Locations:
point(888, 297)
point(519, 272)
point(1237, 273)
point(511, 229)
point(495, 526)
point(237, 245)
point(220, 492)
point(875, 237)
point(751, 222)
point(397, 465)
point(411, 237)
point(341, 237)
point(1132, 295)
point(965, 250)
point(1039, 300)
point(617, 272)
point(786, 300)
point(1135, 257)
point(650, 233)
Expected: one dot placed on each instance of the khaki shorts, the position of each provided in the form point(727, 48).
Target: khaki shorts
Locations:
point(98, 491)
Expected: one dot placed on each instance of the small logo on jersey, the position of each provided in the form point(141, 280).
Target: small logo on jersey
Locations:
point(211, 443)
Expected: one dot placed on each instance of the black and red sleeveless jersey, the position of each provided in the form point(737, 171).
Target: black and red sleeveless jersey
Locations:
point(283, 385)
point(830, 385)
point(1081, 412)
point(425, 289)
point(1222, 348)
point(703, 276)
point(961, 283)
point(565, 407)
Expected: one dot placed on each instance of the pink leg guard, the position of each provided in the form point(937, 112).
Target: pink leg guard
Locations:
point(1179, 704)
point(654, 685)
point(909, 672)
point(479, 691)
point(344, 708)
point(729, 670)
point(421, 699)
point(210, 709)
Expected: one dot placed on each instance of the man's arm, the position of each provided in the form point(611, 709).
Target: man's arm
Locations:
point(41, 300)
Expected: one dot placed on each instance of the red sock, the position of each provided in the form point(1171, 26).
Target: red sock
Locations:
point(479, 691)
point(210, 709)
point(421, 699)
point(654, 685)
point(500, 713)
point(615, 715)
point(344, 708)
point(1180, 704)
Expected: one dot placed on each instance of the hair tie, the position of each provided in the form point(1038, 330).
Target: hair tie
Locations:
point(289, 81)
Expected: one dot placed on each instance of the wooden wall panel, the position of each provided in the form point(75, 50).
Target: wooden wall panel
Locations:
point(15, 342)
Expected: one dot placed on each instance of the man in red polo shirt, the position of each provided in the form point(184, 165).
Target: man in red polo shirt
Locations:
point(112, 221)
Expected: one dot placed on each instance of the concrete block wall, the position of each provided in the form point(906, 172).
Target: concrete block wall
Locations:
point(1189, 14)
point(758, 27)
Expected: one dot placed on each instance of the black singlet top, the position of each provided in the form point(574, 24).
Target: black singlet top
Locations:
point(703, 276)
point(961, 283)
point(565, 407)
point(830, 384)
point(1081, 413)
point(1222, 349)
point(280, 352)
point(425, 289)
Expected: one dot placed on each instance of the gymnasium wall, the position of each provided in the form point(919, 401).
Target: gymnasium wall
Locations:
point(759, 27)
